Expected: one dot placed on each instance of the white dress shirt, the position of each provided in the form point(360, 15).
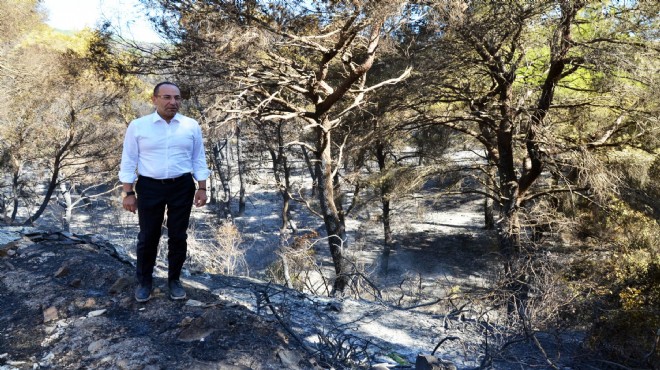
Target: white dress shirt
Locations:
point(162, 151)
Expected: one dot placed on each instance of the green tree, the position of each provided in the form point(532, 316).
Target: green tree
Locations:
point(537, 84)
point(60, 118)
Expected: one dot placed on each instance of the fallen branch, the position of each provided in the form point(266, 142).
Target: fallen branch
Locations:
point(442, 341)
point(269, 304)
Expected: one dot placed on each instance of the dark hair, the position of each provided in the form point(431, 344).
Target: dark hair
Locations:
point(164, 83)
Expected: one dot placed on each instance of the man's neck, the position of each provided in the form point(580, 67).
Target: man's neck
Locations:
point(167, 119)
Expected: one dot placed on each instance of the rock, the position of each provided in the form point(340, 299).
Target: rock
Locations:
point(97, 345)
point(123, 364)
point(186, 321)
point(89, 303)
point(16, 363)
point(194, 303)
point(87, 247)
point(7, 237)
point(98, 239)
point(49, 329)
point(76, 283)
point(24, 243)
point(119, 285)
point(428, 362)
point(96, 313)
point(8, 245)
point(197, 330)
point(50, 314)
point(47, 360)
point(193, 334)
point(290, 360)
point(62, 271)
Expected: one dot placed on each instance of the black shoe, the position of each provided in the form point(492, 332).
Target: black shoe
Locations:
point(143, 293)
point(176, 290)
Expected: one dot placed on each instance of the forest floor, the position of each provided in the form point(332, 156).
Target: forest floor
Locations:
point(440, 243)
point(67, 301)
point(443, 259)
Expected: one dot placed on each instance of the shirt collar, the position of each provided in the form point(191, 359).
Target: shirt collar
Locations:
point(156, 117)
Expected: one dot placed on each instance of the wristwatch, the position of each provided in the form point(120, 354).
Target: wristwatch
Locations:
point(124, 194)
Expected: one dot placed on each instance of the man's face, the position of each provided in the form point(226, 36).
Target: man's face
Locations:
point(167, 101)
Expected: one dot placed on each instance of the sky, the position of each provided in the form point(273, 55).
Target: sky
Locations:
point(126, 15)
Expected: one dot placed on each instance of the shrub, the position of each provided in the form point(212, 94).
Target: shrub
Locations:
point(223, 255)
point(627, 317)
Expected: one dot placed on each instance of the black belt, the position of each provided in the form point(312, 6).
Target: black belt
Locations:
point(166, 181)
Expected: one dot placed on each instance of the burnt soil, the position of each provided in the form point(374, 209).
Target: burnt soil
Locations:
point(52, 294)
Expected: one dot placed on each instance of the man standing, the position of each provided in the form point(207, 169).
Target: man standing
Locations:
point(166, 149)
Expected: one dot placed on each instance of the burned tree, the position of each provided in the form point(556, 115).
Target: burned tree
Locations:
point(284, 61)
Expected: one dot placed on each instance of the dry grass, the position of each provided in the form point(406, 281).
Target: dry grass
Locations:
point(222, 255)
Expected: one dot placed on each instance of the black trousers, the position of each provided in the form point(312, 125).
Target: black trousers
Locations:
point(154, 197)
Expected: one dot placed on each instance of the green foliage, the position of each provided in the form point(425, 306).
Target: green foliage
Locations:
point(624, 282)
point(60, 121)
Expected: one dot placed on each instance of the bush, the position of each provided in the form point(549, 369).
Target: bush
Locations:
point(627, 308)
point(223, 255)
point(297, 266)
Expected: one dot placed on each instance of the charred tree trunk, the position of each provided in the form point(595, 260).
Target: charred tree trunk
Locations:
point(241, 172)
point(286, 197)
point(211, 186)
point(489, 206)
point(52, 184)
point(57, 166)
point(286, 273)
point(280, 172)
point(515, 274)
point(68, 206)
point(16, 190)
point(310, 168)
point(385, 195)
point(222, 167)
point(509, 230)
point(333, 218)
point(489, 214)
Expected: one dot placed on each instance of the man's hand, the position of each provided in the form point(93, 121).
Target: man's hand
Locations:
point(200, 198)
point(130, 203)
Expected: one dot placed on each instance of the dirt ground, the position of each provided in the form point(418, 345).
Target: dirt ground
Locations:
point(67, 304)
point(441, 247)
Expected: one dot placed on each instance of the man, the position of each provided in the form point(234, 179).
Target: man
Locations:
point(166, 149)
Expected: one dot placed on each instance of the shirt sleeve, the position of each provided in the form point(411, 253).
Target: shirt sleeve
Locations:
point(200, 169)
point(129, 156)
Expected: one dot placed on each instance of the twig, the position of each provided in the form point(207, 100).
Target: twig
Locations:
point(288, 329)
point(422, 304)
point(442, 341)
point(615, 364)
point(542, 350)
